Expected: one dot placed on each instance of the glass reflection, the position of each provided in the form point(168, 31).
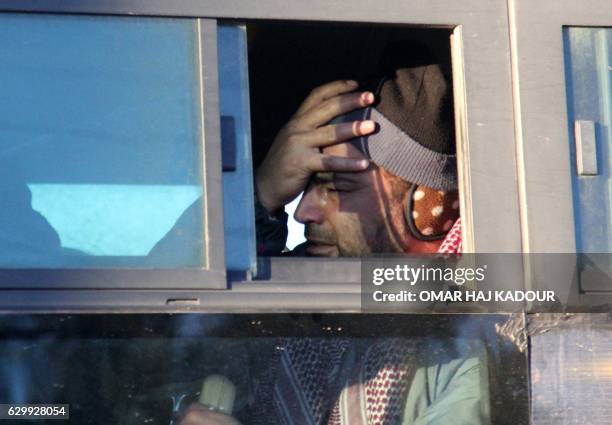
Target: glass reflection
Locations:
point(151, 369)
point(100, 131)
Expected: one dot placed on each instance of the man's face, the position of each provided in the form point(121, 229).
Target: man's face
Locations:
point(354, 214)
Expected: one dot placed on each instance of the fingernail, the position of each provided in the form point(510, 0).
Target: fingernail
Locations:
point(368, 97)
point(351, 83)
point(363, 163)
point(367, 126)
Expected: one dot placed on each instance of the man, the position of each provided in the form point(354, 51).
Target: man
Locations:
point(369, 185)
point(379, 178)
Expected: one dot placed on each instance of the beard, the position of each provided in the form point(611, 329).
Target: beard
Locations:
point(353, 240)
point(320, 233)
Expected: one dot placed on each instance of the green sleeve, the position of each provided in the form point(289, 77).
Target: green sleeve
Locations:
point(451, 389)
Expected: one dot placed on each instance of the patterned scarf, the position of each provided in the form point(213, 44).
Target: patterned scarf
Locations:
point(308, 384)
point(452, 242)
point(309, 387)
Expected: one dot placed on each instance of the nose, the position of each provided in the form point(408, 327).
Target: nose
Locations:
point(309, 209)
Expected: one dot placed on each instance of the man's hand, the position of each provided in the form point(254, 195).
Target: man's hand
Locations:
point(295, 153)
point(197, 414)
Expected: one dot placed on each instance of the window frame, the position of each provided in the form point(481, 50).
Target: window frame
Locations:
point(481, 66)
point(212, 274)
point(543, 134)
point(538, 55)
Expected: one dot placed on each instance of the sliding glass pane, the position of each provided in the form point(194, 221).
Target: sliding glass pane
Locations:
point(100, 142)
point(589, 89)
point(238, 199)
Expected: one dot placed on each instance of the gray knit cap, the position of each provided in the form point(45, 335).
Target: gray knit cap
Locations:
point(413, 108)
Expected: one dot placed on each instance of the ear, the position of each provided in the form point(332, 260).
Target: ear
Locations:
point(431, 213)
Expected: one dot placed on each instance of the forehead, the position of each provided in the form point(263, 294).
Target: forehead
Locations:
point(345, 150)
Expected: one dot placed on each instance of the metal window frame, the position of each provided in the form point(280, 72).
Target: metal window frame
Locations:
point(542, 130)
point(484, 128)
point(212, 274)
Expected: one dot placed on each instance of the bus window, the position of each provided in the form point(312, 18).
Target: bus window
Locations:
point(150, 369)
point(111, 158)
point(101, 151)
point(570, 368)
point(289, 63)
point(588, 53)
point(589, 84)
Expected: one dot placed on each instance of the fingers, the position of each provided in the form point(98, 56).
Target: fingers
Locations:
point(331, 134)
point(197, 414)
point(334, 107)
point(319, 163)
point(325, 92)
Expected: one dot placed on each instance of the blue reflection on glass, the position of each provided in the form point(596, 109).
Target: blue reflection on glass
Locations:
point(99, 141)
point(588, 53)
point(238, 199)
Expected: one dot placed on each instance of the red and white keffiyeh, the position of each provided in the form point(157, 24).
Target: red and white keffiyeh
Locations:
point(452, 242)
point(308, 382)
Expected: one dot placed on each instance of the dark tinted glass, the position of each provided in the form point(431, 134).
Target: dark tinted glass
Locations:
point(144, 369)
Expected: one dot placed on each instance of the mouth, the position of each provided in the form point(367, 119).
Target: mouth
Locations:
point(320, 248)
